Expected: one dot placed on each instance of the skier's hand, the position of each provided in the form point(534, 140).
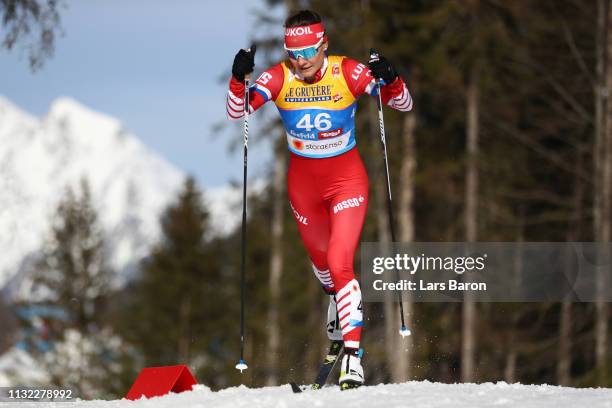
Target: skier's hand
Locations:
point(244, 62)
point(381, 68)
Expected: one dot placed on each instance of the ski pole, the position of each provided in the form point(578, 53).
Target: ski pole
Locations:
point(381, 122)
point(247, 82)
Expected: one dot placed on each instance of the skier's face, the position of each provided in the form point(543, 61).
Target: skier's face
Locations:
point(307, 68)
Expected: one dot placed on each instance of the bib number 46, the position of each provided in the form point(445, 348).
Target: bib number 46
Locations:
point(322, 121)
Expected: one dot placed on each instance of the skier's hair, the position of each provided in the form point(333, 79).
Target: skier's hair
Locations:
point(302, 18)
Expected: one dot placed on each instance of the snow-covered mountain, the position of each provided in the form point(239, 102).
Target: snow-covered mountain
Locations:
point(130, 184)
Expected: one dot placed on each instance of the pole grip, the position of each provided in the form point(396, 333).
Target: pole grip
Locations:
point(374, 55)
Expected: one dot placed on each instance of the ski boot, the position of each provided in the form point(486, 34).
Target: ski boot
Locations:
point(351, 372)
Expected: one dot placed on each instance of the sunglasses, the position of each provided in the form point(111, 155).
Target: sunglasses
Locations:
point(306, 53)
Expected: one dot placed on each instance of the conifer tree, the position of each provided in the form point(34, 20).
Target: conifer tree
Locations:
point(73, 277)
point(179, 303)
point(74, 269)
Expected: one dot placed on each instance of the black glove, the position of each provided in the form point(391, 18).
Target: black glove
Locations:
point(381, 68)
point(244, 62)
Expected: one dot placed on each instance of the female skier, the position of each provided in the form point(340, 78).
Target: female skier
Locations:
point(316, 96)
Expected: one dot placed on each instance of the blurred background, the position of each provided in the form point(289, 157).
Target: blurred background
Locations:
point(120, 191)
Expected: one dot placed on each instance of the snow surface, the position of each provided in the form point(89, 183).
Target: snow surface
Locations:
point(130, 184)
point(414, 394)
